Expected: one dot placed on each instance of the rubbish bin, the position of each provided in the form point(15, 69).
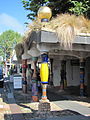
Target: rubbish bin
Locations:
point(1, 83)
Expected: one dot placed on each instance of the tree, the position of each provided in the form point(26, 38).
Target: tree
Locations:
point(8, 40)
point(33, 6)
point(60, 6)
point(77, 7)
point(80, 7)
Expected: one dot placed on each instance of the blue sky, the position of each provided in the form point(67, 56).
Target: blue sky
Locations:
point(12, 16)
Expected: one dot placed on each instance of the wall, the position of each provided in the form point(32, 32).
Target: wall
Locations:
point(56, 72)
point(72, 72)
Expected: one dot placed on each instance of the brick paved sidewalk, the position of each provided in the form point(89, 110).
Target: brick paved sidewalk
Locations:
point(5, 112)
point(17, 106)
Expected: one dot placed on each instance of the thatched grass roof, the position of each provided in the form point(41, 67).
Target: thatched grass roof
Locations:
point(66, 27)
point(28, 38)
point(19, 48)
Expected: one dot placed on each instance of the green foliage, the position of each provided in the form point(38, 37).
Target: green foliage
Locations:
point(60, 6)
point(33, 6)
point(78, 7)
point(8, 40)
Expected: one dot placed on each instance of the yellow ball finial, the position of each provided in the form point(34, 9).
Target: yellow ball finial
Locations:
point(44, 13)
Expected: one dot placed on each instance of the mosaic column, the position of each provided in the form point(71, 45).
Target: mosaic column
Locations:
point(24, 83)
point(82, 74)
point(65, 77)
point(63, 82)
point(51, 73)
point(44, 73)
point(34, 81)
point(44, 104)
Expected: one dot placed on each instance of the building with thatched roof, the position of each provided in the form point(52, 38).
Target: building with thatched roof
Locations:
point(66, 39)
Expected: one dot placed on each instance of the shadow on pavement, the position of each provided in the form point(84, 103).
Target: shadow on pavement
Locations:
point(70, 93)
point(43, 116)
point(54, 94)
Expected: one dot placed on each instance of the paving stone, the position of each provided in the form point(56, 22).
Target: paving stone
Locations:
point(21, 108)
point(10, 95)
point(72, 105)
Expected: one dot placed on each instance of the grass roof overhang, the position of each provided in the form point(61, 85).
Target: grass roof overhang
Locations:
point(19, 48)
point(65, 26)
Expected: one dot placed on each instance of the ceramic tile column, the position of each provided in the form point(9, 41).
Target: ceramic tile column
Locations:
point(82, 74)
point(34, 81)
point(44, 73)
point(24, 68)
point(51, 73)
point(63, 82)
point(44, 104)
point(65, 75)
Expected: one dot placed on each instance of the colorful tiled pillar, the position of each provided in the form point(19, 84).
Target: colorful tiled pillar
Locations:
point(24, 68)
point(63, 82)
point(44, 73)
point(82, 74)
point(65, 77)
point(34, 81)
point(51, 73)
point(44, 104)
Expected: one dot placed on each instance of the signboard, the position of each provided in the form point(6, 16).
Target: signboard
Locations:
point(17, 82)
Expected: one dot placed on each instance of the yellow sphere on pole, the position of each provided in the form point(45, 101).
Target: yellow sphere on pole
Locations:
point(44, 13)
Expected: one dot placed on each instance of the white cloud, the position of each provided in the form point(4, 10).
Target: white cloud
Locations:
point(11, 23)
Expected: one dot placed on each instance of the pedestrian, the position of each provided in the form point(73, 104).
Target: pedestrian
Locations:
point(11, 74)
